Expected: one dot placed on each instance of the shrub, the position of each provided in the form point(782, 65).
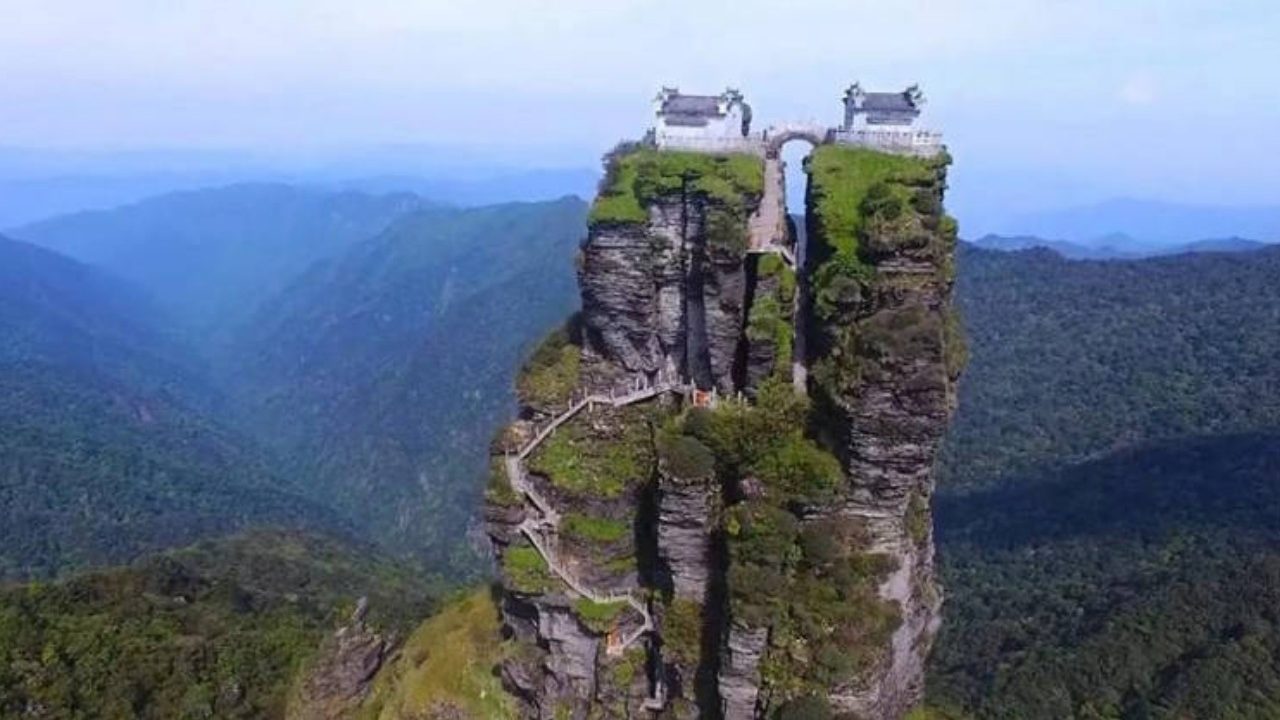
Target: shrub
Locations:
point(580, 463)
point(594, 529)
point(684, 457)
point(682, 631)
point(599, 617)
point(636, 177)
point(525, 571)
point(808, 707)
point(499, 490)
point(551, 373)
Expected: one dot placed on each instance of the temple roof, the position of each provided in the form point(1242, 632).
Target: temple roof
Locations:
point(702, 105)
point(895, 102)
point(690, 110)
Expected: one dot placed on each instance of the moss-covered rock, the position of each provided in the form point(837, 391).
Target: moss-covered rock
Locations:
point(635, 177)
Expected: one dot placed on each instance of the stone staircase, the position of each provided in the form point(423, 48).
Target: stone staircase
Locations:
point(548, 519)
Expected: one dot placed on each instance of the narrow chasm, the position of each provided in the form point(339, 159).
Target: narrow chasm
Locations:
point(697, 353)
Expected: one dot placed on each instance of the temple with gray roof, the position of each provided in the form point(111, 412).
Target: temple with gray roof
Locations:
point(714, 123)
point(881, 110)
point(884, 121)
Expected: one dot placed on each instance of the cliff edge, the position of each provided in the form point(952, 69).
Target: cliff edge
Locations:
point(715, 501)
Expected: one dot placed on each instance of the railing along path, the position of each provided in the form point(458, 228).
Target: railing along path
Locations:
point(549, 520)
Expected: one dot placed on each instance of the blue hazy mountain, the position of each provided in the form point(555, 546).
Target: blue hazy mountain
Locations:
point(1150, 222)
point(1114, 246)
point(103, 454)
point(210, 256)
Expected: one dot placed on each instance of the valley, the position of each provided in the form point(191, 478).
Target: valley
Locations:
point(1108, 406)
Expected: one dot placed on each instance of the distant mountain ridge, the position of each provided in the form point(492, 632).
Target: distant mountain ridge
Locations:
point(1151, 222)
point(370, 357)
point(1115, 246)
point(103, 452)
point(59, 311)
point(210, 256)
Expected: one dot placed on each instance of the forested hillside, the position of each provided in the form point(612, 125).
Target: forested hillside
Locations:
point(1074, 359)
point(58, 311)
point(102, 456)
point(211, 256)
point(220, 629)
point(94, 472)
point(1142, 585)
point(379, 376)
point(1110, 537)
point(369, 381)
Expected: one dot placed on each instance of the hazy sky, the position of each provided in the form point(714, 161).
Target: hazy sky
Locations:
point(1070, 99)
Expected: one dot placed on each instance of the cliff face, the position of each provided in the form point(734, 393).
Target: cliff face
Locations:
point(888, 354)
point(680, 529)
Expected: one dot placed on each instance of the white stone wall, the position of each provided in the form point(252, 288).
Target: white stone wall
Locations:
point(751, 144)
point(893, 138)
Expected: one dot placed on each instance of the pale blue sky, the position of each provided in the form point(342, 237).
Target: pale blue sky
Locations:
point(1043, 101)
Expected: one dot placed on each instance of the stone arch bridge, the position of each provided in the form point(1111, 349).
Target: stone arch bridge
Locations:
point(778, 135)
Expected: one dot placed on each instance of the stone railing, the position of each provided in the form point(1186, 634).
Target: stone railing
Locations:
point(913, 142)
point(548, 519)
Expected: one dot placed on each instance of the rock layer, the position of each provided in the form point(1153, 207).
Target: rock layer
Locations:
point(670, 291)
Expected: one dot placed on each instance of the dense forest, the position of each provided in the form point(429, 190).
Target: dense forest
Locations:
point(1110, 530)
point(1075, 359)
point(380, 376)
point(355, 350)
point(220, 629)
point(103, 455)
point(1107, 521)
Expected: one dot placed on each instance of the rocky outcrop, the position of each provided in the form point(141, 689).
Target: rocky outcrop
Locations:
point(342, 671)
point(645, 574)
point(659, 297)
point(739, 680)
point(685, 511)
point(892, 360)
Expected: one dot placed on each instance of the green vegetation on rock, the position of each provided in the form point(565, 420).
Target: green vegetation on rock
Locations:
point(598, 616)
point(498, 490)
point(446, 668)
point(864, 205)
point(525, 571)
point(682, 631)
point(551, 373)
point(685, 457)
point(594, 529)
point(860, 200)
point(636, 177)
point(578, 461)
point(849, 184)
point(766, 440)
point(812, 583)
point(770, 317)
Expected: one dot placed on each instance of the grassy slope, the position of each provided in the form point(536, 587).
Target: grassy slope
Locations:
point(448, 662)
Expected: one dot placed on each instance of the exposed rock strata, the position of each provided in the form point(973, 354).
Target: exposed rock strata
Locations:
point(685, 517)
point(675, 295)
point(655, 297)
point(339, 677)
